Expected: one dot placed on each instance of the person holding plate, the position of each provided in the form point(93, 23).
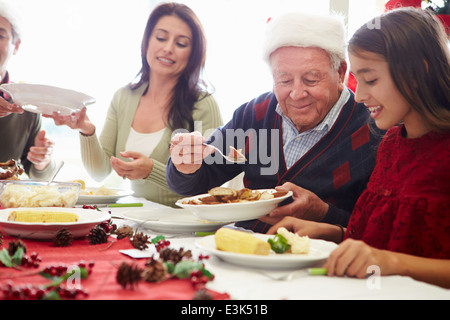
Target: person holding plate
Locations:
point(308, 132)
point(21, 137)
point(168, 95)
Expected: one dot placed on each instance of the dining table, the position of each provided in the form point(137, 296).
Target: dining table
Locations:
point(230, 282)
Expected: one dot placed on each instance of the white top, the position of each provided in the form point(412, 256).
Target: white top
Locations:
point(144, 143)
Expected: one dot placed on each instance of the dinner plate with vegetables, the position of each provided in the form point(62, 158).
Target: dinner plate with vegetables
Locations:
point(284, 250)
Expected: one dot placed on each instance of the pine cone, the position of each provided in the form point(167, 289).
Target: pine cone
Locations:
point(14, 245)
point(97, 235)
point(174, 255)
point(128, 275)
point(202, 294)
point(63, 238)
point(155, 270)
point(140, 240)
point(124, 231)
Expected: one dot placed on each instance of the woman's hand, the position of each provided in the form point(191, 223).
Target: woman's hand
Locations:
point(187, 151)
point(78, 120)
point(139, 167)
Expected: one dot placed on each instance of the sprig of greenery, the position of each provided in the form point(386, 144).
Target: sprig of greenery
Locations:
point(13, 261)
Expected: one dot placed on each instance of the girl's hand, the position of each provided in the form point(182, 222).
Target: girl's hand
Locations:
point(353, 258)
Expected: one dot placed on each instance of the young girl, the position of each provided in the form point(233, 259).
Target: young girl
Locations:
point(401, 223)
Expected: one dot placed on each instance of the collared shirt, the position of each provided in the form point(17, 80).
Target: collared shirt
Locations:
point(295, 144)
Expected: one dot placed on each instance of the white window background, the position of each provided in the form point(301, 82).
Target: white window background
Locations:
point(93, 46)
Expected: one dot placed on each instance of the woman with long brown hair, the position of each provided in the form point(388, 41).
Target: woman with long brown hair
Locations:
point(167, 95)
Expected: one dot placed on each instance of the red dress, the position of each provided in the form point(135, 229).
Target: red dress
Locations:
point(406, 207)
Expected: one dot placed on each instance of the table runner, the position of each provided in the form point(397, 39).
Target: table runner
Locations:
point(101, 284)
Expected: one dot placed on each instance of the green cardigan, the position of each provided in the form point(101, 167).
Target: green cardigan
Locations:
point(96, 152)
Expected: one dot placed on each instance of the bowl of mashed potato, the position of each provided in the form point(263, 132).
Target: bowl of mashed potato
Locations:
point(36, 193)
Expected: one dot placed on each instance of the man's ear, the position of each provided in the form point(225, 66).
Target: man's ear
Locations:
point(17, 45)
point(342, 73)
point(342, 70)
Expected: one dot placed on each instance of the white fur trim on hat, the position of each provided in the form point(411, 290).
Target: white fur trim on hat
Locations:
point(10, 12)
point(305, 30)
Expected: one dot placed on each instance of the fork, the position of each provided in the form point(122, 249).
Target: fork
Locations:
point(230, 159)
point(283, 277)
point(290, 275)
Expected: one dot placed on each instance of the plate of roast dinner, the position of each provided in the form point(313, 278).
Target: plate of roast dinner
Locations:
point(230, 205)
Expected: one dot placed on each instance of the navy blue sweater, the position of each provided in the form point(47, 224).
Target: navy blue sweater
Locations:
point(336, 169)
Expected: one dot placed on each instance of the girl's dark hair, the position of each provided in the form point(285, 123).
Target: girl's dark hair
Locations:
point(189, 87)
point(414, 44)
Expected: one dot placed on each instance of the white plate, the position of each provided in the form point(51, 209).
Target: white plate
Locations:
point(319, 252)
point(232, 212)
point(94, 199)
point(170, 220)
point(46, 99)
point(88, 219)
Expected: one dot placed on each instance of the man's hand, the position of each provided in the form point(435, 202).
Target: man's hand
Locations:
point(306, 205)
point(188, 151)
point(7, 108)
point(41, 153)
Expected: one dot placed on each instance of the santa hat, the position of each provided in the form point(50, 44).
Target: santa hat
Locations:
point(305, 30)
point(10, 12)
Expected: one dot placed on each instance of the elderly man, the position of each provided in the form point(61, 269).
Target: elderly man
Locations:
point(308, 135)
point(21, 137)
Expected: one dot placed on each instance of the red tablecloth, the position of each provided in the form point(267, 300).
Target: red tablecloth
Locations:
point(101, 284)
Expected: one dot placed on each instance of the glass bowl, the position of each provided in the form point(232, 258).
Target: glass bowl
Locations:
point(36, 193)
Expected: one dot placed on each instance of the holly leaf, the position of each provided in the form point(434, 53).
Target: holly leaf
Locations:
point(170, 266)
point(58, 279)
point(207, 273)
point(17, 257)
point(5, 259)
point(52, 295)
point(184, 268)
point(157, 238)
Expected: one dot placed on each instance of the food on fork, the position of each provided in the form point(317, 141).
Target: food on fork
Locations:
point(236, 241)
point(38, 216)
point(236, 154)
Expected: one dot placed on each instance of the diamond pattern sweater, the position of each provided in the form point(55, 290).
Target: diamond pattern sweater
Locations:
point(337, 168)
